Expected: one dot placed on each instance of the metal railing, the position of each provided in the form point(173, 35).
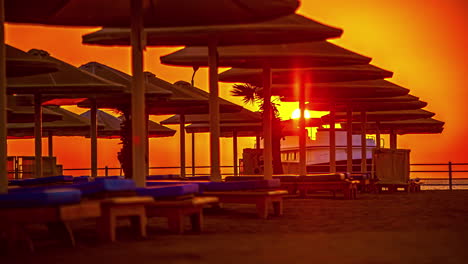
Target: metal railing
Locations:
point(449, 170)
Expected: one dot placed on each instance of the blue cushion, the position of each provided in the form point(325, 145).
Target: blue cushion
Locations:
point(109, 178)
point(43, 180)
point(287, 178)
point(105, 185)
point(168, 190)
point(198, 178)
point(243, 178)
point(166, 182)
point(81, 179)
point(163, 177)
point(323, 177)
point(52, 197)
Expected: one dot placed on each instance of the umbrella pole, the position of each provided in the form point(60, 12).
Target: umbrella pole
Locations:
point(193, 154)
point(332, 139)
point(257, 142)
point(139, 167)
point(302, 134)
point(393, 139)
point(377, 135)
point(3, 103)
point(234, 149)
point(182, 145)
point(93, 134)
point(267, 122)
point(37, 136)
point(214, 111)
point(349, 140)
point(50, 143)
point(363, 142)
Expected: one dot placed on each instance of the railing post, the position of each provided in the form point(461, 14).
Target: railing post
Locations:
point(106, 171)
point(450, 174)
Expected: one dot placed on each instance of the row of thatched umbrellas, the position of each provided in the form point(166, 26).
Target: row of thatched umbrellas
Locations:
point(173, 30)
point(137, 15)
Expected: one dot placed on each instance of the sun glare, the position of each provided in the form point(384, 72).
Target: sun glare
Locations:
point(297, 113)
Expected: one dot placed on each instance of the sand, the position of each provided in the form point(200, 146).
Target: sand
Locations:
point(425, 227)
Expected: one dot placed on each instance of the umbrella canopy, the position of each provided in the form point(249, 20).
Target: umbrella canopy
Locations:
point(68, 81)
point(111, 126)
point(243, 116)
point(134, 13)
point(369, 106)
point(309, 54)
point(71, 124)
point(339, 90)
point(384, 115)
point(25, 114)
point(411, 126)
point(156, 13)
point(318, 74)
point(20, 63)
point(186, 99)
point(291, 28)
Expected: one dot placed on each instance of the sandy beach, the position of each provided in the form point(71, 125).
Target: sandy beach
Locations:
point(425, 227)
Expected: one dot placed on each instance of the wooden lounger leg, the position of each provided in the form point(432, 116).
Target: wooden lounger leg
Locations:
point(106, 225)
point(176, 222)
point(138, 223)
point(278, 207)
point(16, 234)
point(196, 219)
point(262, 208)
point(63, 232)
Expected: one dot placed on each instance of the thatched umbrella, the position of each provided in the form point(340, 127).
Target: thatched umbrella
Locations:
point(70, 124)
point(67, 82)
point(270, 56)
point(20, 63)
point(291, 28)
point(344, 73)
point(184, 99)
point(230, 123)
point(111, 126)
point(136, 14)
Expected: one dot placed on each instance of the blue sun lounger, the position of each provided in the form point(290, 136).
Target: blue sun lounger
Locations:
point(55, 208)
point(176, 202)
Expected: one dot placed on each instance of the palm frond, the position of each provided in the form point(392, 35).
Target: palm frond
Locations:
point(245, 90)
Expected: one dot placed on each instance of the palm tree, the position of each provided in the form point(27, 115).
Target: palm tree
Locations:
point(254, 95)
point(125, 154)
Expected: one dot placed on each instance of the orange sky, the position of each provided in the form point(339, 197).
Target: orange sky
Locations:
point(422, 41)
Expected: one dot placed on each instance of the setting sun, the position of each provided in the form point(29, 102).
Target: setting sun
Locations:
point(297, 113)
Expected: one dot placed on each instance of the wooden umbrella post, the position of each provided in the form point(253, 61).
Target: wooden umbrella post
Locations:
point(182, 145)
point(38, 136)
point(193, 154)
point(3, 103)
point(139, 169)
point(302, 134)
point(93, 134)
point(234, 153)
point(214, 111)
point(377, 135)
point(332, 139)
point(349, 140)
point(363, 142)
point(267, 122)
point(393, 139)
point(50, 142)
